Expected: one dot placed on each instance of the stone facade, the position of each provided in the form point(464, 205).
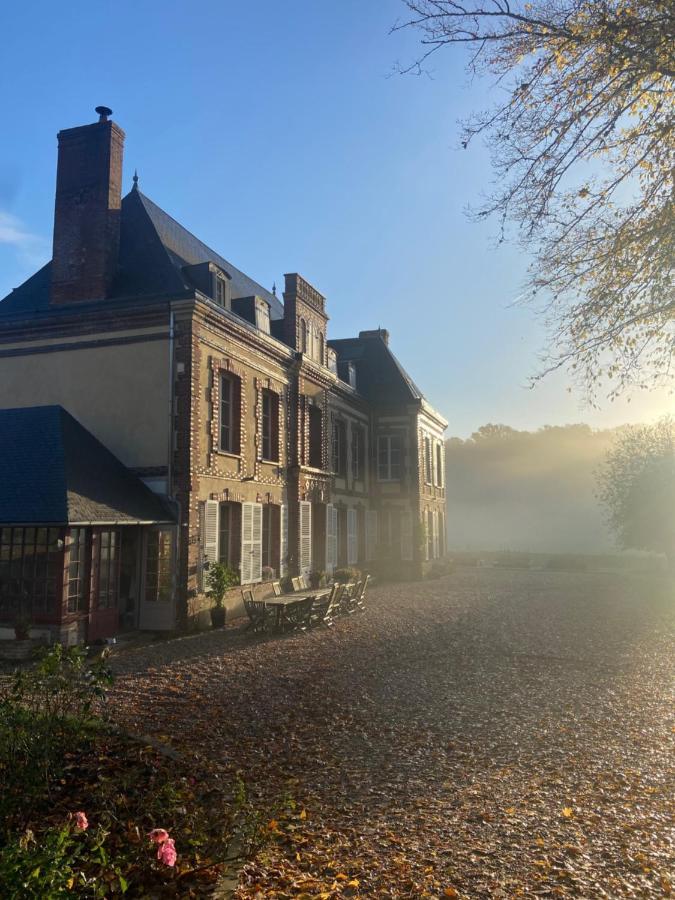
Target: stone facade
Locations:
point(336, 460)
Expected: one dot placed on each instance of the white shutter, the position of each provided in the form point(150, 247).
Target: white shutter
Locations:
point(251, 542)
point(305, 537)
point(211, 523)
point(352, 538)
point(331, 537)
point(256, 542)
point(406, 535)
point(283, 538)
point(246, 539)
point(371, 533)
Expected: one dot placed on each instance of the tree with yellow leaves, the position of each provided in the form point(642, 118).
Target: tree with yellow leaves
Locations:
point(584, 155)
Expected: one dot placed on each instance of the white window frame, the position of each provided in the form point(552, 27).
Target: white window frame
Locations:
point(371, 534)
point(385, 440)
point(352, 537)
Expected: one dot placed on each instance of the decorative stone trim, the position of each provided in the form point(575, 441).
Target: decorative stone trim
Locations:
point(216, 458)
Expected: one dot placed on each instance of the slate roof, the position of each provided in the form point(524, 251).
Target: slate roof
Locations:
point(153, 250)
point(380, 377)
point(55, 472)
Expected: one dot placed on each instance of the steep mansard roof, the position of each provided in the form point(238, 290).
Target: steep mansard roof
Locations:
point(153, 250)
point(380, 377)
point(55, 472)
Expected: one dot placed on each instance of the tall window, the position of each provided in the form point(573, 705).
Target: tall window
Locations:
point(158, 566)
point(230, 413)
point(225, 533)
point(30, 563)
point(76, 574)
point(319, 347)
point(439, 464)
point(108, 569)
point(358, 453)
point(428, 461)
point(303, 336)
point(271, 536)
point(389, 531)
point(339, 448)
point(430, 535)
point(270, 425)
point(389, 447)
point(221, 291)
point(315, 437)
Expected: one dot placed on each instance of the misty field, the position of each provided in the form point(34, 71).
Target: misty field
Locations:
point(490, 734)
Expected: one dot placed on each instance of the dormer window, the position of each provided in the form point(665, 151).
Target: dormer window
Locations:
point(221, 292)
point(262, 314)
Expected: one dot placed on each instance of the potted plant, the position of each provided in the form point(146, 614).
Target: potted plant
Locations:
point(22, 627)
point(218, 580)
point(317, 579)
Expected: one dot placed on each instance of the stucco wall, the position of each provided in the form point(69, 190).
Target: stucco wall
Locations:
point(119, 392)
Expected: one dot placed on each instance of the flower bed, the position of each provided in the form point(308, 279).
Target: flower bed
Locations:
point(88, 811)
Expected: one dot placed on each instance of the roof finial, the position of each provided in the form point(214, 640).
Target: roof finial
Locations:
point(274, 288)
point(135, 180)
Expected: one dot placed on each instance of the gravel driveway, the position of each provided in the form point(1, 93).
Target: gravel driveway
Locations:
point(494, 733)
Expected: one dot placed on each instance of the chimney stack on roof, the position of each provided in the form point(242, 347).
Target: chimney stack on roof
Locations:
point(380, 333)
point(87, 210)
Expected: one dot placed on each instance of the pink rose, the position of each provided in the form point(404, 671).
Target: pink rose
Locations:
point(158, 835)
point(81, 821)
point(166, 852)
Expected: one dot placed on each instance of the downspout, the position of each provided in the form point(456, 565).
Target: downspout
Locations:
point(169, 481)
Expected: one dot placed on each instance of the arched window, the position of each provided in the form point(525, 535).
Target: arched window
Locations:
point(303, 336)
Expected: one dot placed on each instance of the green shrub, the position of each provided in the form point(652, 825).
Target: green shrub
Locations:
point(346, 574)
point(43, 714)
point(317, 579)
point(220, 579)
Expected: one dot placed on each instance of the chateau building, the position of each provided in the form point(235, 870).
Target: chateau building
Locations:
point(160, 411)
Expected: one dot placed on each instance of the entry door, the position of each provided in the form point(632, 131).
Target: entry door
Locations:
point(158, 592)
point(105, 577)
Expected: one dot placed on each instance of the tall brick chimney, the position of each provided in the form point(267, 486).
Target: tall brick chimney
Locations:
point(87, 211)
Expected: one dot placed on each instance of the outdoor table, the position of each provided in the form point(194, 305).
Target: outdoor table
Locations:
point(280, 604)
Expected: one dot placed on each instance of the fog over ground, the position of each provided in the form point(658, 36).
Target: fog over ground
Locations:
point(527, 491)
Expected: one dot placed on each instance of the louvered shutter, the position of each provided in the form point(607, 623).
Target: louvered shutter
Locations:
point(331, 537)
point(352, 538)
point(283, 541)
point(406, 535)
point(210, 540)
point(305, 537)
point(251, 542)
point(256, 542)
point(371, 533)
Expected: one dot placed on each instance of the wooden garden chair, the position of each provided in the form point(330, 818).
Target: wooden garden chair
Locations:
point(276, 587)
point(297, 584)
point(325, 608)
point(255, 610)
point(360, 594)
point(298, 616)
point(349, 602)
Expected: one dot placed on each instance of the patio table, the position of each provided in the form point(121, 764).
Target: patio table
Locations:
point(282, 603)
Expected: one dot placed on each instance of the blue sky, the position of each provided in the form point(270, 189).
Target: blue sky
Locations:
point(278, 133)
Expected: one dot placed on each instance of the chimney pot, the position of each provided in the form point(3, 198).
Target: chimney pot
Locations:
point(103, 113)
